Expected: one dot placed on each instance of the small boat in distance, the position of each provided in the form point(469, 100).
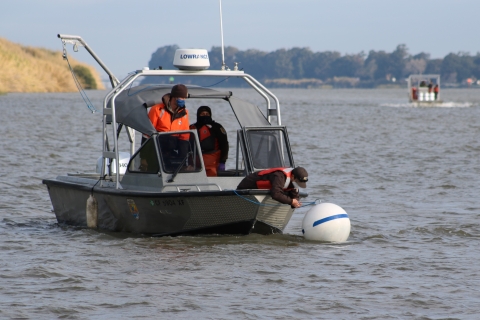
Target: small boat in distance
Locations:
point(173, 194)
point(424, 89)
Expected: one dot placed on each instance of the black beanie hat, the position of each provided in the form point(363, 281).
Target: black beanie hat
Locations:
point(204, 108)
point(179, 91)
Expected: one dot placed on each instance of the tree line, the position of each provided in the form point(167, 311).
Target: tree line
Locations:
point(301, 67)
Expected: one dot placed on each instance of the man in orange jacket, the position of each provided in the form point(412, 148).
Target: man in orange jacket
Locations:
point(171, 115)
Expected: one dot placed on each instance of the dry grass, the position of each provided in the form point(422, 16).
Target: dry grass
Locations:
point(28, 69)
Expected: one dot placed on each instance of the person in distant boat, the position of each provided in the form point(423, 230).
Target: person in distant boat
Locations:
point(436, 89)
point(423, 84)
point(213, 141)
point(282, 182)
point(414, 93)
point(430, 87)
point(171, 115)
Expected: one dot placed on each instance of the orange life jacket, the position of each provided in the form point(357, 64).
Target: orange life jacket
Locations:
point(211, 158)
point(207, 140)
point(265, 184)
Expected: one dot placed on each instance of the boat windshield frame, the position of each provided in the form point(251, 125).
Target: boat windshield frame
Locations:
point(279, 147)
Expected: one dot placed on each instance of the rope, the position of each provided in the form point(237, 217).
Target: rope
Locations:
point(138, 91)
point(274, 205)
point(77, 83)
point(217, 82)
point(101, 178)
point(317, 201)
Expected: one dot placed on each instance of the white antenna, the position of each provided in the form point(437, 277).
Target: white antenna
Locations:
point(221, 33)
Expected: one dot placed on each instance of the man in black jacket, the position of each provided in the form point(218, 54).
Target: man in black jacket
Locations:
point(213, 141)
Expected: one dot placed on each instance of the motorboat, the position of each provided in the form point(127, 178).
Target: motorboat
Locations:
point(424, 89)
point(173, 195)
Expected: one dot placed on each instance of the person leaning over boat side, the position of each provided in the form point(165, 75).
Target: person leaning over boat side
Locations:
point(213, 141)
point(282, 182)
point(171, 115)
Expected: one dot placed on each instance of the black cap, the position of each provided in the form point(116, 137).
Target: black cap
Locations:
point(301, 176)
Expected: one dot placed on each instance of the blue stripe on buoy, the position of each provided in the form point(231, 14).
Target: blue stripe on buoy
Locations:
point(337, 216)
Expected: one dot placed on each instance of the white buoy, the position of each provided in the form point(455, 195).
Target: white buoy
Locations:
point(92, 212)
point(326, 222)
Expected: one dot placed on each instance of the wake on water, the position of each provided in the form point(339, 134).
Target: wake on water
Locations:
point(433, 105)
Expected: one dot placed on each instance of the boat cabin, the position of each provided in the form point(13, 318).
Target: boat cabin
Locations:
point(172, 161)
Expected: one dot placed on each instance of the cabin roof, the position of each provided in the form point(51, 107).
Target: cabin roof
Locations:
point(132, 103)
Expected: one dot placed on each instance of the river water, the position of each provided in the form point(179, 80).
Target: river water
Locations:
point(407, 176)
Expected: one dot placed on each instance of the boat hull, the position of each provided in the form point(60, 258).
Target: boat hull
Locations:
point(170, 213)
point(435, 103)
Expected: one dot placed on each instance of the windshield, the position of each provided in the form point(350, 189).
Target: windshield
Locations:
point(179, 152)
point(268, 149)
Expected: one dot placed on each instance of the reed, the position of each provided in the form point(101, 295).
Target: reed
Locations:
point(29, 69)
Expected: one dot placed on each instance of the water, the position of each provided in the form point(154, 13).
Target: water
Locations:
point(407, 176)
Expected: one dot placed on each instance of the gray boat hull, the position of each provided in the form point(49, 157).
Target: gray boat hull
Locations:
point(169, 213)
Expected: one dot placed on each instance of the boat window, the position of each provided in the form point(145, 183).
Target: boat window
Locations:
point(268, 149)
point(145, 160)
point(179, 152)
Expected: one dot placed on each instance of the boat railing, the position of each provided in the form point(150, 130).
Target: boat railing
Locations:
point(198, 186)
point(271, 110)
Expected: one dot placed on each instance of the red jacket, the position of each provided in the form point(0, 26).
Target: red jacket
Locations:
point(265, 184)
point(276, 179)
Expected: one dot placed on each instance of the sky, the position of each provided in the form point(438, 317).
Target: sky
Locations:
point(124, 34)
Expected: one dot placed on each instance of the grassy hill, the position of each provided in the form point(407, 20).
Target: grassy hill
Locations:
point(28, 69)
